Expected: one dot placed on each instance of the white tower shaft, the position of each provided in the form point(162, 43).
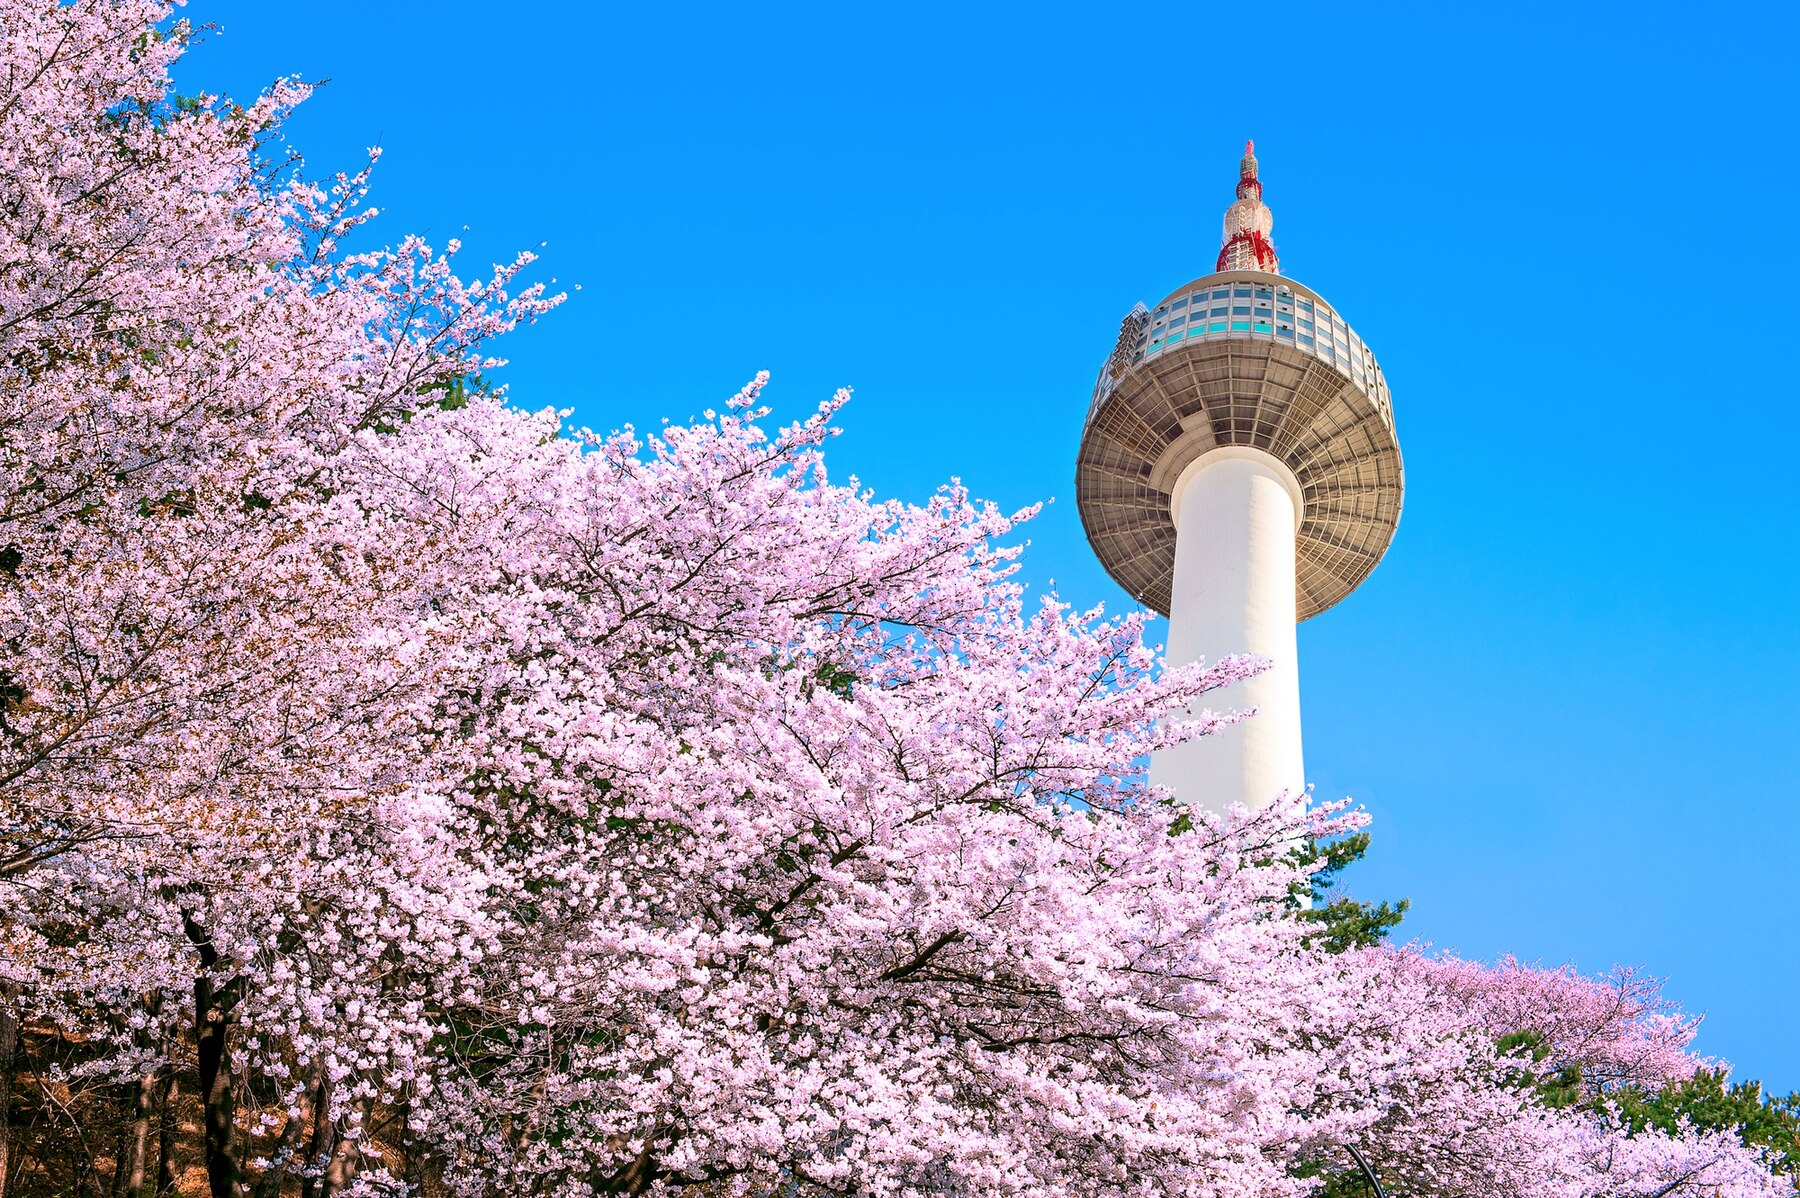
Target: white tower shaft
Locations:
point(1236, 510)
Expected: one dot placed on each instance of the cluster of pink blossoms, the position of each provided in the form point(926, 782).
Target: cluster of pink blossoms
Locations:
point(439, 800)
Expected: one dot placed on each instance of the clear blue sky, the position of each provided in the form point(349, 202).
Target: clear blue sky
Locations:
point(1569, 693)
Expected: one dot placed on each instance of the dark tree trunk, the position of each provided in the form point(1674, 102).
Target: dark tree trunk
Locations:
point(346, 1159)
point(138, 1149)
point(218, 1097)
point(165, 1142)
point(213, 1005)
point(341, 1169)
point(121, 1160)
point(9, 1053)
point(319, 1151)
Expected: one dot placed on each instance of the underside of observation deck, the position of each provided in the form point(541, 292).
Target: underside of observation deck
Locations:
point(1164, 412)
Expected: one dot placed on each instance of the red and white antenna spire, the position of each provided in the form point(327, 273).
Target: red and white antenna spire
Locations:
point(1247, 224)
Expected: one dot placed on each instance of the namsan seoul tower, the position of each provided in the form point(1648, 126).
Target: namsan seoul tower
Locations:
point(1239, 472)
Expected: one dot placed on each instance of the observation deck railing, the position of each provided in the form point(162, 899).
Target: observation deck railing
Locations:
point(1244, 306)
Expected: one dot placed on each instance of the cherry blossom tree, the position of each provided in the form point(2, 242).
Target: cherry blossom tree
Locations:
point(417, 795)
point(208, 656)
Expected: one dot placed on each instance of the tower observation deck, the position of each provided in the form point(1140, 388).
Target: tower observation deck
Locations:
point(1239, 471)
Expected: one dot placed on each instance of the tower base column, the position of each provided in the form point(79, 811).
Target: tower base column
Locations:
point(1236, 510)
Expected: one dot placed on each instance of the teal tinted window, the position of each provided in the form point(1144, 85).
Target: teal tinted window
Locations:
point(1240, 326)
point(1217, 326)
